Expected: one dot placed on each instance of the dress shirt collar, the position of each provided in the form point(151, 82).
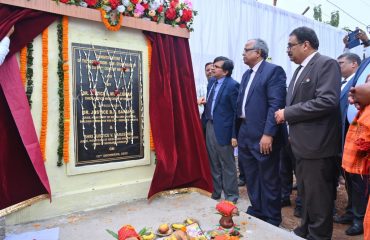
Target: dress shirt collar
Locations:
point(255, 68)
point(308, 59)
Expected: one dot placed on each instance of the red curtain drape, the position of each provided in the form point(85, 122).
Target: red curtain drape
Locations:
point(182, 160)
point(22, 171)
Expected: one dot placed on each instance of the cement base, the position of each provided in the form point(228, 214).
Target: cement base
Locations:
point(140, 214)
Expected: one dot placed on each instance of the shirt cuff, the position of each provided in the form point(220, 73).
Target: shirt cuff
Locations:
point(5, 42)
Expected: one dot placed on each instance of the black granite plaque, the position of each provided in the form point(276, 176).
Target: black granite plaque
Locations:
point(108, 104)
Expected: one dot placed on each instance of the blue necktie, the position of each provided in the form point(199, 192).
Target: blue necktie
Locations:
point(245, 84)
point(210, 102)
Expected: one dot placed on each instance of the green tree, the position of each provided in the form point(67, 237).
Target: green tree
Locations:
point(334, 19)
point(317, 13)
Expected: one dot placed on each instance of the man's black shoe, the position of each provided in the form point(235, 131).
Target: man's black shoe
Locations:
point(298, 212)
point(344, 219)
point(355, 229)
point(241, 183)
point(216, 197)
point(285, 202)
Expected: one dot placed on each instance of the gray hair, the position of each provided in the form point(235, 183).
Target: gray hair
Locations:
point(261, 45)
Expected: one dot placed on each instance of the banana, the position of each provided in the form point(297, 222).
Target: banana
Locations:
point(178, 226)
point(189, 221)
point(149, 236)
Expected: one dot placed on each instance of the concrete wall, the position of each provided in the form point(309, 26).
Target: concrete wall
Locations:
point(95, 186)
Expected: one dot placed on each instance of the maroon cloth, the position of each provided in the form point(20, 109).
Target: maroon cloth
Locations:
point(28, 24)
point(182, 160)
point(22, 171)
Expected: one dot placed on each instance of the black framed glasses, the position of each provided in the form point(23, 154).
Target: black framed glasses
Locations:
point(249, 49)
point(291, 45)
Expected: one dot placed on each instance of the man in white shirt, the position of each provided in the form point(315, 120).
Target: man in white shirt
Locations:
point(4, 45)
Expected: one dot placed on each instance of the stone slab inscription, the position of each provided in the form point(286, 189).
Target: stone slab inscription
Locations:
point(108, 104)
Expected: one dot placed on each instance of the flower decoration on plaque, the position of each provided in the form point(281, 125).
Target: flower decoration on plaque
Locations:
point(109, 104)
point(174, 12)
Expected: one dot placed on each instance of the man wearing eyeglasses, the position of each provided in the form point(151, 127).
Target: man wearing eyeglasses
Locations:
point(218, 115)
point(313, 115)
point(262, 92)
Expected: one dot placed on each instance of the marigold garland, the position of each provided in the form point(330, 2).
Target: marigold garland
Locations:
point(60, 94)
point(66, 91)
point(44, 114)
point(106, 22)
point(149, 45)
point(23, 63)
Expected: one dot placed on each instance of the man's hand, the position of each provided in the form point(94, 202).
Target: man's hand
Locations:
point(266, 144)
point(234, 142)
point(10, 31)
point(201, 100)
point(363, 37)
point(279, 116)
point(345, 41)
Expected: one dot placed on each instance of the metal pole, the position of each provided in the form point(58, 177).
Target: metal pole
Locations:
point(307, 8)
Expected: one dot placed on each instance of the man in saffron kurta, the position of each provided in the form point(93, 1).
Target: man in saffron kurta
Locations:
point(357, 145)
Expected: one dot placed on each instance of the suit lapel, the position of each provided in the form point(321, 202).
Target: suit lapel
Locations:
point(345, 90)
point(303, 75)
point(242, 88)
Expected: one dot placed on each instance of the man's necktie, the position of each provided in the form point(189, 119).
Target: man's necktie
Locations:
point(244, 92)
point(343, 82)
point(294, 79)
point(210, 102)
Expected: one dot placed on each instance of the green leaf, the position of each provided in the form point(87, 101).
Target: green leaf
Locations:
point(115, 235)
point(143, 231)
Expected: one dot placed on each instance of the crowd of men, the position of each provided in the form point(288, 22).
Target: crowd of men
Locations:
point(280, 129)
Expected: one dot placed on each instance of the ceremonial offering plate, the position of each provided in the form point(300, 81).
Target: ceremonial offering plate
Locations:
point(169, 232)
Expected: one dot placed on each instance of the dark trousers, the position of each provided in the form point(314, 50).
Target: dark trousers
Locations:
point(263, 184)
point(286, 174)
point(357, 196)
point(315, 184)
point(287, 167)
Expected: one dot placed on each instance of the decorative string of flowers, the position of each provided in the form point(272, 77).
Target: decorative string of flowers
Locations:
point(110, 88)
point(67, 116)
point(29, 73)
point(150, 50)
point(44, 113)
point(60, 93)
point(23, 63)
point(26, 70)
point(174, 12)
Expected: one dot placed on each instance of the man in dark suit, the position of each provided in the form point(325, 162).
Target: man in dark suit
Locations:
point(312, 113)
point(262, 92)
point(219, 117)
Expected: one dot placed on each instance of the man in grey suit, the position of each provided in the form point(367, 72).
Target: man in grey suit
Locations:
point(312, 113)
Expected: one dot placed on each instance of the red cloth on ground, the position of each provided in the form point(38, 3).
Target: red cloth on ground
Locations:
point(22, 171)
point(182, 159)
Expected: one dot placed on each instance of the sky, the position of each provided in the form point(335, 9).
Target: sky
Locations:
point(358, 9)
